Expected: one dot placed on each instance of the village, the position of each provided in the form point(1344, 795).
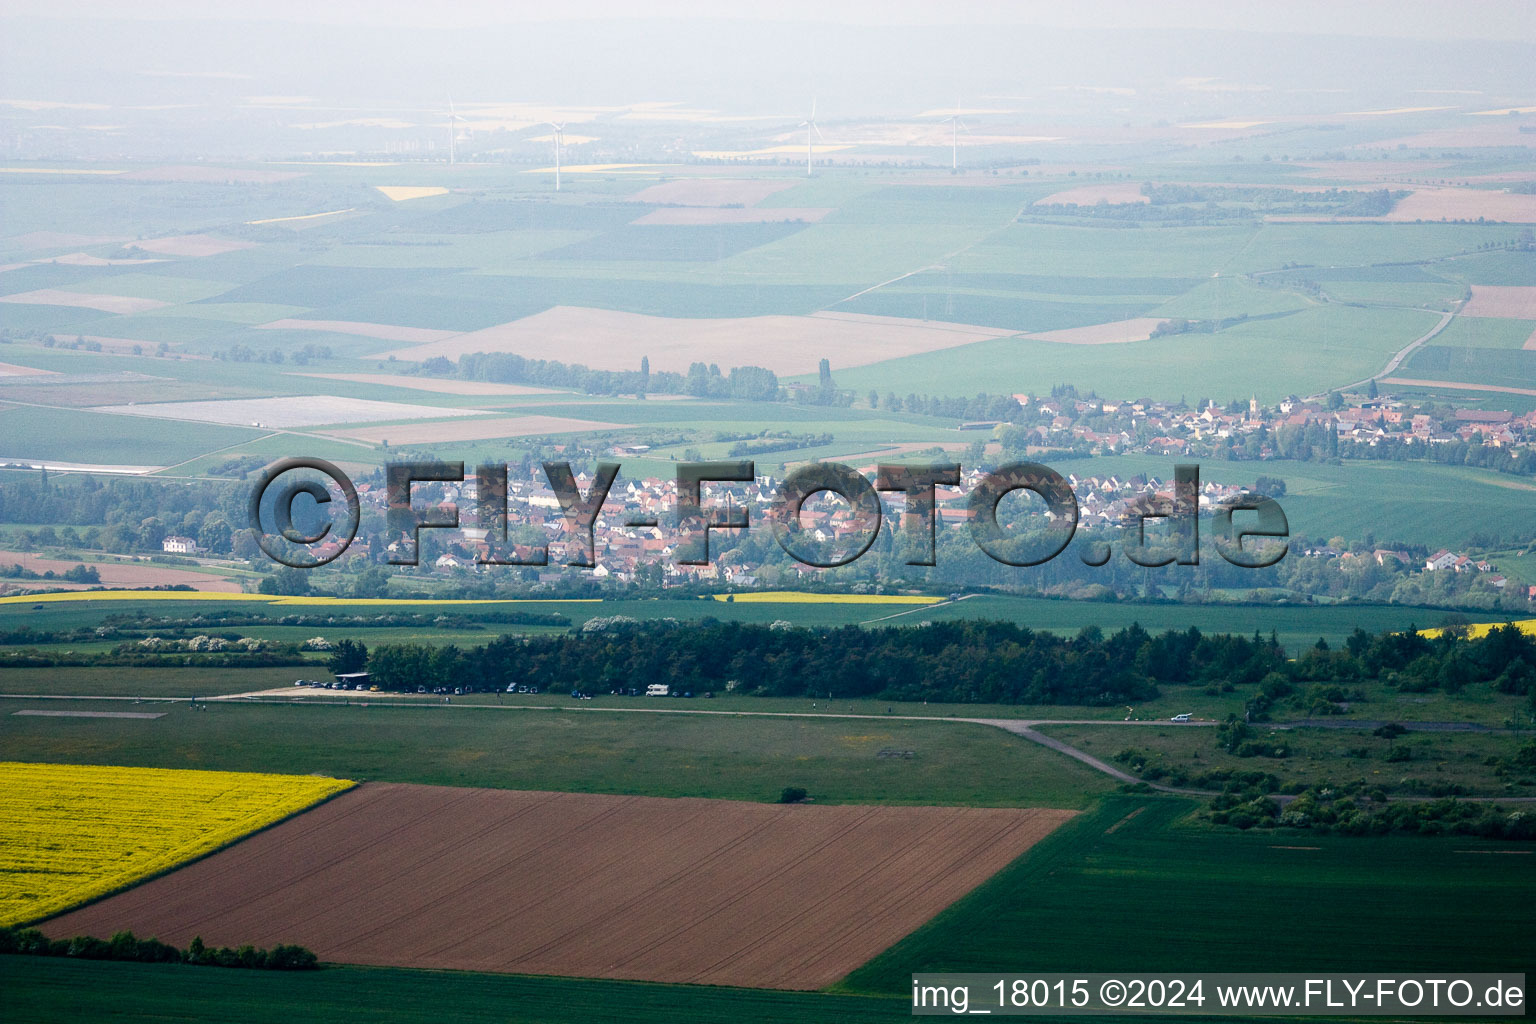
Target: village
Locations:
point(1110, 426)
point(538, 537)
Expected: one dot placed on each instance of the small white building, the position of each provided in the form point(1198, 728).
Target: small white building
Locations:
point(179, 546)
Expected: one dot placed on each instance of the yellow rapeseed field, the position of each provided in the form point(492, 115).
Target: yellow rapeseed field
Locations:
point(72, 833)
point(1478, 630)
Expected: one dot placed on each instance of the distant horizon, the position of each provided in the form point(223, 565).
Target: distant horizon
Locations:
point(1488, 20)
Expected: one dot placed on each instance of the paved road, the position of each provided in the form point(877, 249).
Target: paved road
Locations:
point(1396, 360)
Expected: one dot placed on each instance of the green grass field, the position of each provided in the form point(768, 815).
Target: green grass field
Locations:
point(1158, 895)
point(46, 991)
point(1333, 245)
point(1308, 351)
point(1500, 367)
point(721, 757)
point(89, 437)
point(1484, 332)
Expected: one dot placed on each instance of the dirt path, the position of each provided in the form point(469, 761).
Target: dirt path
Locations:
point(941, 262)
point(920, 608)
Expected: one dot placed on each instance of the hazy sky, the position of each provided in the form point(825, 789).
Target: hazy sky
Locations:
point(1422, 19)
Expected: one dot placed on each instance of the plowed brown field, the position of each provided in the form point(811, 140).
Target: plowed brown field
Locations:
point(696, 891)
point(1514, 301)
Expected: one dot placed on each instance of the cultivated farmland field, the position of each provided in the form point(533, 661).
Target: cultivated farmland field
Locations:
point(1518, 302)
point(1429, 902)
point(781, 344)
point(45, 991)
point(295, 411)
point(73, 833)
point(702, 892)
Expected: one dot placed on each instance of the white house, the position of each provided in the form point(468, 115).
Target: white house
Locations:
point(179, 546)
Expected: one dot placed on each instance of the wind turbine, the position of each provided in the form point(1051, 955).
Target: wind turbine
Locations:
point(954, 143)
point(809, 124)
point(559, 138)
point(453, 130)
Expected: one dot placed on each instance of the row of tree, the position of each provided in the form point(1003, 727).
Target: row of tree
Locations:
point(959, 662)
point(967, 662)
point(126, 946)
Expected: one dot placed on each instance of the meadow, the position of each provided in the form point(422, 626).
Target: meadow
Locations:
point(721, 757)
point(1315, 757)
point(1304, 352)
point(77, 436)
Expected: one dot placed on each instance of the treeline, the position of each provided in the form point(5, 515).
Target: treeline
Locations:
point(743, 383)
point(246, 354)
point(1317, 441)
point(1002, 408)
point(74, 659)
point(125, 946)
point(1504, 658)
point(767, 446)
point(141, 622)
point(1182, 326)
point(740, 383)
point(74, 574)
point(124, 515)
point(1337, 202)
point(963, 662)
point(1455, 453)
point(1188, 205)
point(957, 662)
